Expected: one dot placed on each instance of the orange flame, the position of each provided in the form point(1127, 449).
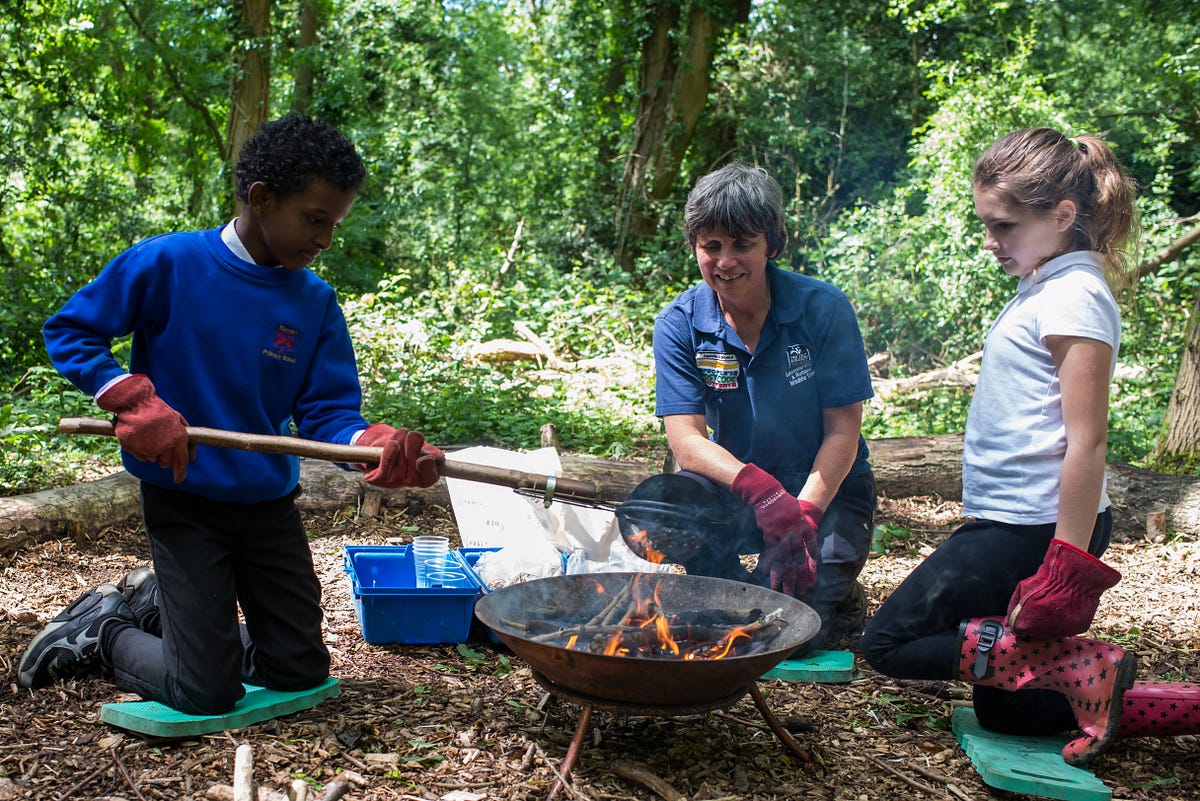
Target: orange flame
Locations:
point(646, 612)
point(642, 538)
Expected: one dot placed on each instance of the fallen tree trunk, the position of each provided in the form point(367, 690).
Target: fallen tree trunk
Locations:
point(904, 468)
point(67, 511)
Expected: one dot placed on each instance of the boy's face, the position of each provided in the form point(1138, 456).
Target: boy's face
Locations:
point(290, 231)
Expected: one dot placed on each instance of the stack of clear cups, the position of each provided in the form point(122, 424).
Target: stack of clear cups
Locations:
point(430, 553)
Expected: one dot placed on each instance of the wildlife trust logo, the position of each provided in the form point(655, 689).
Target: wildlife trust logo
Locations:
point(281, 348)
point(799, 364)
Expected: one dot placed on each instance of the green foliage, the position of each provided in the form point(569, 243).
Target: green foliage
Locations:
point(480, 119)
point(415, 357)
point(889, 537)
point(33, 454)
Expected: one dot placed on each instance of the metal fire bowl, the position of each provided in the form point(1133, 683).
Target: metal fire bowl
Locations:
point(633, 680)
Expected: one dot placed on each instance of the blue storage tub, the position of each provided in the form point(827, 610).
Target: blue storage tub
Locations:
point(392, 609)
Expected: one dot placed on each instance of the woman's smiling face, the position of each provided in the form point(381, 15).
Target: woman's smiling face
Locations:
point(735, 267)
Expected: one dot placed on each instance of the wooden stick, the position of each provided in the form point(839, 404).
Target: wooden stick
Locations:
point(925, 788)
point(578, 491)
point(298, 791)
point(608, 607)
point(224, 792)
point(124, 773)
point(243, 773)
point(642, 776)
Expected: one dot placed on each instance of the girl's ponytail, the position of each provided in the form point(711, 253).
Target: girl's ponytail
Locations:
point(1109, 223)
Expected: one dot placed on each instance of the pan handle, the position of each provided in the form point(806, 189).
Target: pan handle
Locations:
point(350, 454)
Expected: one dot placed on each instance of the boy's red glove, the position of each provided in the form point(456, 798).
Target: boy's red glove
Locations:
point(1060, 599)
point(407, 460)
point(147, 427)
point(789, 527)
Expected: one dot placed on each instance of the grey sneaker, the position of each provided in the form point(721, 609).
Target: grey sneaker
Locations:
point(68, 647)
point(140, 588)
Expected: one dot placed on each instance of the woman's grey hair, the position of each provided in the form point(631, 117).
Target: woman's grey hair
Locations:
point(737, 200)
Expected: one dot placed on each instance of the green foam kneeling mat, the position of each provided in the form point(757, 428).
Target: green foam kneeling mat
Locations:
point(823, 667)
point(257, 705)
point(1030, 765)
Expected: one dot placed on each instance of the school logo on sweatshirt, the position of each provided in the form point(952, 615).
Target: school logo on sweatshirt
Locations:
point(281, 348)
point(799, 364)
point(720, 370)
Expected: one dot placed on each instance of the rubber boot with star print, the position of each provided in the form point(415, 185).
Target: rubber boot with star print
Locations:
point(1092, 675)
point(1160, 709)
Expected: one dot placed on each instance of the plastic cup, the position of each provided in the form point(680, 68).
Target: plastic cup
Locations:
point(440, 578)
point(426, 549)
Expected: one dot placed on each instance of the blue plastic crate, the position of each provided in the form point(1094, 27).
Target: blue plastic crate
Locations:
point(392, 609)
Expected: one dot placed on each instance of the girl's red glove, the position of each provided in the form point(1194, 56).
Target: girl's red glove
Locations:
point(147, 427)
point(407, 460)
point(1061, 598)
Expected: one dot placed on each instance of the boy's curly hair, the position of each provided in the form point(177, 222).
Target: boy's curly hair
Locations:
point(288, 153)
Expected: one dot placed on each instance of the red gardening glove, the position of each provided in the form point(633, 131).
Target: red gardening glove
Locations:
point(407, 460)
point(1060, 599)
point(789, 527)
point(147, 427)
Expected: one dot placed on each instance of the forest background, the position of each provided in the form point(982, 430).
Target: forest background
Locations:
point(528, 163)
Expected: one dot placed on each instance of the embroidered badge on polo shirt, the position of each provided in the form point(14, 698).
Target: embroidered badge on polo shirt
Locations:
point(799, 364)
point(720, 370)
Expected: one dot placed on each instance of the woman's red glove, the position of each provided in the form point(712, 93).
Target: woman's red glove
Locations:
point(147, 427)
point(789, 528)
point(1061, 598)
point(407, 460)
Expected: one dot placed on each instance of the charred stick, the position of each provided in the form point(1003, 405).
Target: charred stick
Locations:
point(616, 600)
point(613, 616)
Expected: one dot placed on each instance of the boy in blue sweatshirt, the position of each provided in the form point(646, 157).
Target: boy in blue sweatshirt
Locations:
point(230, 331)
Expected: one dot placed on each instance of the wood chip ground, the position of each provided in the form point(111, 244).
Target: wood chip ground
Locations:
point(470, 723)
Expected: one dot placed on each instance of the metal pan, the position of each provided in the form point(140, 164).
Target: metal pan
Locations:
point(633, 680)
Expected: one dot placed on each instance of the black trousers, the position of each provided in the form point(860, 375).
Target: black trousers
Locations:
point(844, 537)
point(914, 635)
point(211, 558)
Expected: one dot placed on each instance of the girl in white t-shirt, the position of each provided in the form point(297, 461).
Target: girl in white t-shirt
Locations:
point(1024, 576)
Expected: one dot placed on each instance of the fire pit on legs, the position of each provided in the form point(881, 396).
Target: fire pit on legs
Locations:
point(654, 644)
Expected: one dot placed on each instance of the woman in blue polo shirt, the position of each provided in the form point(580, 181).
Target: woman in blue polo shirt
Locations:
point(761, 376)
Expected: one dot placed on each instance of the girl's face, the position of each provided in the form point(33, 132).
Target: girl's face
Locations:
point(291, 230)
point(735, 268)
point(1020, 238)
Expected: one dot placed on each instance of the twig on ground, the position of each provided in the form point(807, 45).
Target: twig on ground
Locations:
point(642, 776)
point(128, 779)
point(913, 783)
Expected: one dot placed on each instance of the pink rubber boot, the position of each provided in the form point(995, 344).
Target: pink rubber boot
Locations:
point(1091, 675)
point(1160, 709)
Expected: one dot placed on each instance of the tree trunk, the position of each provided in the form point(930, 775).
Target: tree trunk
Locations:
point(303, 83)
point(250, 94)
point(114, 499)
point(904, 468)
point(673, 89)
point(1180, 444)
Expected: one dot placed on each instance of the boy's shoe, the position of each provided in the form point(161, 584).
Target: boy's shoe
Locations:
point(140, 588)
point(68, 647)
